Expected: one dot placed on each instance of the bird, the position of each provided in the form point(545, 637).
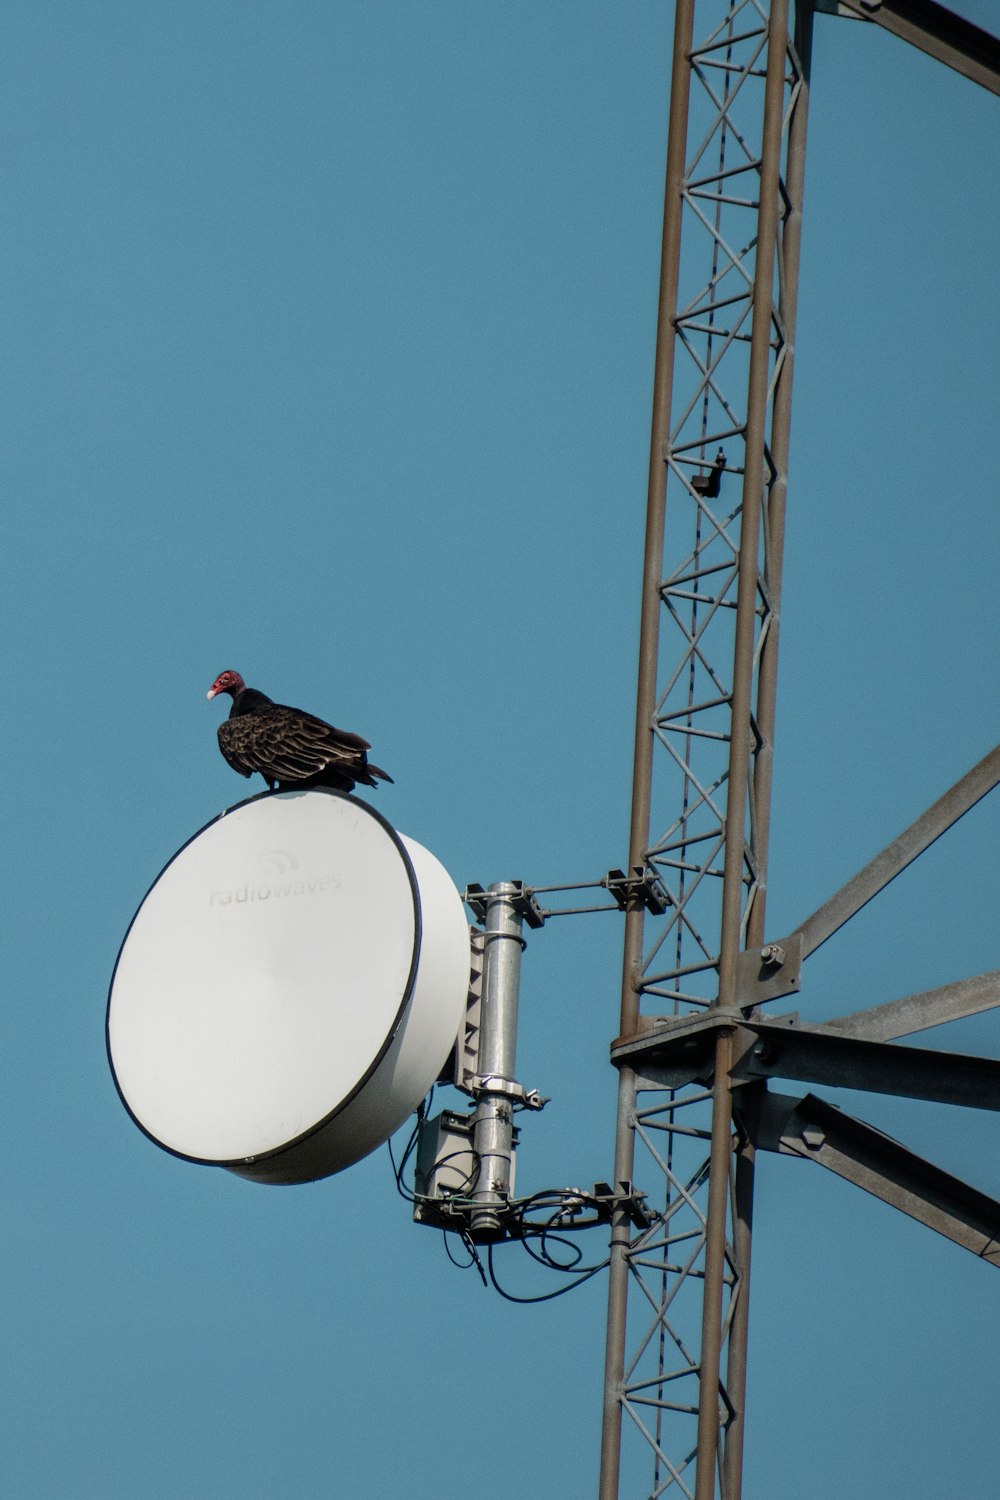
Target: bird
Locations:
point(288, 747)
point(709, 484)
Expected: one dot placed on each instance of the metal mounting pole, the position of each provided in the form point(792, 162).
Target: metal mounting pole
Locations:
point(493, 1123)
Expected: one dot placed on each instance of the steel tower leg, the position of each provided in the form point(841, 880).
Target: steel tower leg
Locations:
point(642, 771)
point(722, 377)
point(781, 416)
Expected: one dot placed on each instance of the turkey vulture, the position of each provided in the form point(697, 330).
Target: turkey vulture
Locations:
point(288, 747)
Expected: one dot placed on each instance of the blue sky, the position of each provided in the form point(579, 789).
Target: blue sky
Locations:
point(328, 338)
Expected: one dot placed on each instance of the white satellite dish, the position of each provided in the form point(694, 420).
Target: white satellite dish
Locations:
point(289, 988)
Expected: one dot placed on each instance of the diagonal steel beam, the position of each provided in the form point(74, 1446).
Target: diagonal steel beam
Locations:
point(811, 1127)
point(895, 857)
point(949, 1002)
point(948, 38)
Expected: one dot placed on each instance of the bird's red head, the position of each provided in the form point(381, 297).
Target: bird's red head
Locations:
point(227, 682)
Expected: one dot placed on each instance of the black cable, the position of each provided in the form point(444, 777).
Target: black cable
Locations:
point(545, 1296)
point(404, 1192)
point(463, 1265)
point(423, 1110)
point(543, 1257)
point(557, 1220)
point(468, 1182)
point(473, 1260)
point(470, 1246)
point(410, 1194)
point(564, 1204)
point(401, 1188)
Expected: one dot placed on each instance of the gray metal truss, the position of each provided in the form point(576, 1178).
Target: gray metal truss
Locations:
point(695, 1053)
point(692, 716)
point(713, 578)
point(676, 1059)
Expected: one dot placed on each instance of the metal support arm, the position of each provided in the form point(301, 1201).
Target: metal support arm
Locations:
point(775, 969)
point(949, 1002)
point(949, 38)
point(678, 1051)
point(895, 857)
point(810, 1127)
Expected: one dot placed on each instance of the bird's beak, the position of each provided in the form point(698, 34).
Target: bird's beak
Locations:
point(212, 693)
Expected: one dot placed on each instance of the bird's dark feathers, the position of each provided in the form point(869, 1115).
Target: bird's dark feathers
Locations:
point(289, 747)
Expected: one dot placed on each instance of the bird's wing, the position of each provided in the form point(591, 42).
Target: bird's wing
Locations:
point(320, 731)
point(234, 745)
point(285, 744)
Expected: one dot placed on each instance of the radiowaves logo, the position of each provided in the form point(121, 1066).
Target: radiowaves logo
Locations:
point(278, 861)
point(280, 879)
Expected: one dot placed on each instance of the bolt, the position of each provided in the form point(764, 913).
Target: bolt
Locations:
point(772, 953)
point(813, 1136)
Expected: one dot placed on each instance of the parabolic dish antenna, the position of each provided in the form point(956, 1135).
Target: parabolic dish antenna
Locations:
point(289, 988)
